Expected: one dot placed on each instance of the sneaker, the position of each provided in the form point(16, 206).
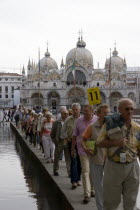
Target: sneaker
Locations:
point(92, 194)
point(55, 173)
point(74, 185)
point(86, 199)
point(79, 183)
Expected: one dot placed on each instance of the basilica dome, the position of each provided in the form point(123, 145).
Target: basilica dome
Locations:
point(47, 63)
point(117, 63)
point(80, 54)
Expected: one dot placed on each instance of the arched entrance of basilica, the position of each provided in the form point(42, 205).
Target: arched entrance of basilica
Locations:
point(37, 100)
point(115, 96)
point(53, 101)
point(76, 95)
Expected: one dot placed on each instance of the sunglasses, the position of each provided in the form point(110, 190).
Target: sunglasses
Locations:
point(129, 109)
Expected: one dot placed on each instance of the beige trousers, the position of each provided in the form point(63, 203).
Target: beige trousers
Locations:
point(58, 152)
point(87, 182)
point(120, 179)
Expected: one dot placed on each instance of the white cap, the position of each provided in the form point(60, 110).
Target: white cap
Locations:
point(40, 113)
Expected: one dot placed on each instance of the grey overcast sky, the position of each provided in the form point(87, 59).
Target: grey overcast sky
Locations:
point(26, 25)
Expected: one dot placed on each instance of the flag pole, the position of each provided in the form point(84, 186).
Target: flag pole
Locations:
point(39, 75)
point(110, 80)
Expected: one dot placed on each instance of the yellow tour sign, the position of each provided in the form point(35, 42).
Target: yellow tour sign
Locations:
point(94, 96)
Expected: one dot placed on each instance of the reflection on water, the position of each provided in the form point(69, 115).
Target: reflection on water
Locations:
point(22, 184)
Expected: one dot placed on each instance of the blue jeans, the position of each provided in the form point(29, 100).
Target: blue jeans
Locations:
point(37, 138)
point(75, 166)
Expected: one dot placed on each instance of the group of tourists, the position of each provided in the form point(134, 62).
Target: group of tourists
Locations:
point(7, 115)
point(100, 149)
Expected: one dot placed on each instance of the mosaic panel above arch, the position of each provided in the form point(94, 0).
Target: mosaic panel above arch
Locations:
point(76, 95)
point(36, 95)
point(132, 96)
point(98, 76)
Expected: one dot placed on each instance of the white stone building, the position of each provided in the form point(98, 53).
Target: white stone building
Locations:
point(47, 86)
point(9, 82)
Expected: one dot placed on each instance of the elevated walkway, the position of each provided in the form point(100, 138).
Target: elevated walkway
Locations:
point(71, 199)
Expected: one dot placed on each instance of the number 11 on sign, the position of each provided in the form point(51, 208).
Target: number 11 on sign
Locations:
point(94, 96)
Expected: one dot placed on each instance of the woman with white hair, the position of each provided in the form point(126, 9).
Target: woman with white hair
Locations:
point(48, 145)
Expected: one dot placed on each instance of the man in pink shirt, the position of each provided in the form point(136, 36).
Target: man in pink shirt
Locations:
point(82, 123)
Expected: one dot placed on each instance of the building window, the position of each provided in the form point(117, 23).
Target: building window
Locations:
point(6, 89)
point(6, 96)
point(12, 88)
point(0, 96)
point(18, 79)
point(12, 96)
point(0, 79)
point(54, 84)
point(0, 89)
point(6, 79)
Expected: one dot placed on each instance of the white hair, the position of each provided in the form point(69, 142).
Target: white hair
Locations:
point(76, 105)
point(123, 100)
point(62, 108)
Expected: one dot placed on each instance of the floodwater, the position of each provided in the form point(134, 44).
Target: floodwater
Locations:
point(22, 183)
point(23, 186)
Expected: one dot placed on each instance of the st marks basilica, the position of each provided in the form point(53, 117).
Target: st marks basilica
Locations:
point(46, 85)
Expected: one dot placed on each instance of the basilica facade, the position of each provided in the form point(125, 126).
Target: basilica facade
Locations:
point(46, 85)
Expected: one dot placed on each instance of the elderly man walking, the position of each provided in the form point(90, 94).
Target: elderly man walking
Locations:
point(82, 123)
point(59, 143)
point(67, 132)
point(120, 135)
